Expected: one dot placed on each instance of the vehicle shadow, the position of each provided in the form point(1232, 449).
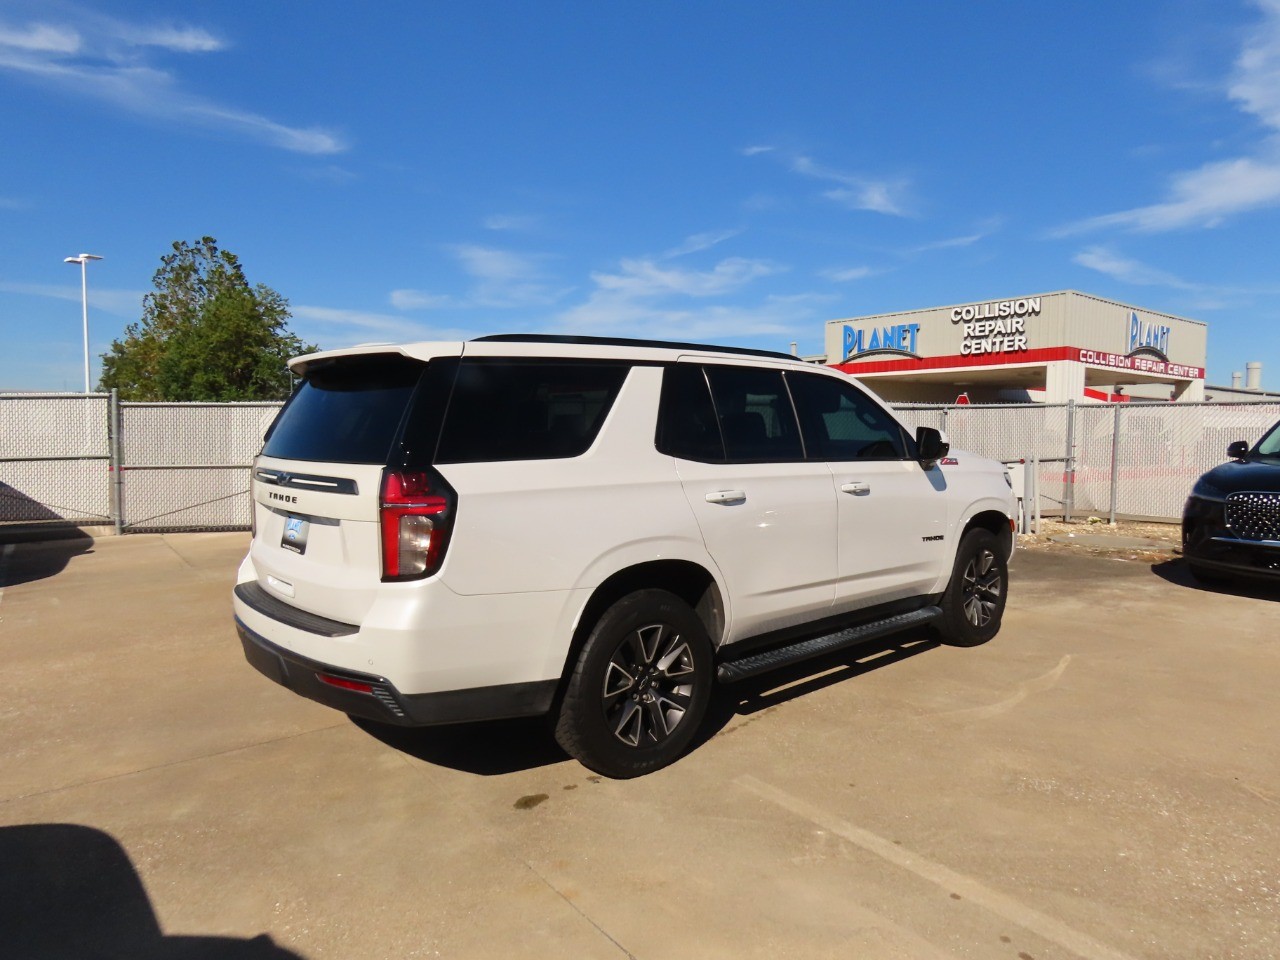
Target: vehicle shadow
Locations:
point(809, 676)
point(507, 746)
point(69, 892)
point(487, 749)
point(1178, 573)
point(28, 559)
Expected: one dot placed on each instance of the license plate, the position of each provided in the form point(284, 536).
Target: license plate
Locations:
point(295, 534)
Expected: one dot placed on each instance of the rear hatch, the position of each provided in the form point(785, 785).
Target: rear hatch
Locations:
point(316, 486)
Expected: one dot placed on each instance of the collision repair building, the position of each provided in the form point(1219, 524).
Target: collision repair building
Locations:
point(1050, 347)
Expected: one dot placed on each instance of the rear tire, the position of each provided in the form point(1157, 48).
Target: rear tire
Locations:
point(973, 604)
point(640, 687)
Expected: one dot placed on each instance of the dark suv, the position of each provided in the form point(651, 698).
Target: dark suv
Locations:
point(1231, 523)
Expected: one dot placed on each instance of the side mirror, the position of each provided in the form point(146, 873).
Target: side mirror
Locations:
point(932, 445)
point(1238, 450)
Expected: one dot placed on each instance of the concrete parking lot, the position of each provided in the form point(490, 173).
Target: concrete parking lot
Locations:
point(1100, 781)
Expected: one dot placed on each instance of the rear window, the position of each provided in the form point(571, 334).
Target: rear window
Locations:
point(346, 412)
point(527, 410)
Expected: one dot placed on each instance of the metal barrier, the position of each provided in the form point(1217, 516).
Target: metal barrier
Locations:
point(185, 466)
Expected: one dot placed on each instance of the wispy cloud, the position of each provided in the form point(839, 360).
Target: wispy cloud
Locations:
point(950, 243)
point(855, 191)
point(608, 313)
point(649, 297)
point(418, 300)
point(335, 326)
point(119, 303)
point(645, 278)
point(504, 278)
point(1118, 267)
point(104, 58)
point(39, 38)
point(509, 222)
point(699, 242)
point(848, 274)
point(1213, 192)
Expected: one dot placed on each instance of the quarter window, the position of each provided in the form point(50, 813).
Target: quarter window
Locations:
point(527, 410)
point(687, 424)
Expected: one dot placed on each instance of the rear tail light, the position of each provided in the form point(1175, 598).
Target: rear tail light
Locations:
point(416, 514)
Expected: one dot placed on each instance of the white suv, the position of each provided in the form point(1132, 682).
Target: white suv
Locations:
point(597, 530)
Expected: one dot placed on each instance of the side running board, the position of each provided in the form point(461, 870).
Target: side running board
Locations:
point(733, 670)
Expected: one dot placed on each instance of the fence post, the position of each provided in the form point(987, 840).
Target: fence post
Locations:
point(1069, 465)
point(117, 466)
point(1027, 487)
point(943, 418)
point(1115, 463)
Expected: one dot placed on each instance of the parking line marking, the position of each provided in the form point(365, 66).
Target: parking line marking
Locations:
point(949, 880)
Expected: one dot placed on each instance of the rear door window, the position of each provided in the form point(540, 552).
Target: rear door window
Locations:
point(527, 409)
point(755, 414)
point(348, 411)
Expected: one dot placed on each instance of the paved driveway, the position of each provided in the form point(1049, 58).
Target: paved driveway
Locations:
point(1101, 781)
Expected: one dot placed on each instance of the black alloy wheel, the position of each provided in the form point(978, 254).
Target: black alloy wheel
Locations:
point(973, 604)
point(648, 684)
point(982, 588)
point(639, 688)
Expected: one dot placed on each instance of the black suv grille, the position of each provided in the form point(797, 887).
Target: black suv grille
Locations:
point(1254, 516)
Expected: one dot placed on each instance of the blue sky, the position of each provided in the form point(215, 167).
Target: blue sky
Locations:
point(727, 172)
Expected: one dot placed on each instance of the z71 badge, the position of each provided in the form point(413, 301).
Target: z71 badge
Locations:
point(949, 461)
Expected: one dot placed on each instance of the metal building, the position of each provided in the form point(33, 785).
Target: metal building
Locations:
point(1049, 347)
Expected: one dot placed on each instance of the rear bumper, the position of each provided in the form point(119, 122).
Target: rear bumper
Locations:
point(384, 703)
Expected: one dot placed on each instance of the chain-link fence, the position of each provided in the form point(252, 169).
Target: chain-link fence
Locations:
point(86, 459)
point(1127, 460)
point(185, 466)
point(55, 458)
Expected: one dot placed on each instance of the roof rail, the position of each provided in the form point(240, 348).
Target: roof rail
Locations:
point(629, 342)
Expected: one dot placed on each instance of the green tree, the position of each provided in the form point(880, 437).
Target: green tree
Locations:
point(205, 334)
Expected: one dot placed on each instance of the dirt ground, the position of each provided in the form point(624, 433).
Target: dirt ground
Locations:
point(1098, 538)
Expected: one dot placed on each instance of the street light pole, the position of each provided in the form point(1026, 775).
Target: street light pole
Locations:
point(83, 260)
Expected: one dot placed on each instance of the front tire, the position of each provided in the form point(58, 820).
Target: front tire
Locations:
point(640, 687)
point(973, 604)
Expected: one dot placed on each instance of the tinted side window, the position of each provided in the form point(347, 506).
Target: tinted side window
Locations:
point(839, 423)
point(346, 412)
point(526, 410)
point(1269, 446)
point(687, 424)
point(755, 414)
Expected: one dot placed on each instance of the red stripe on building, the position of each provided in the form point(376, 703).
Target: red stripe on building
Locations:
point(1042, 355)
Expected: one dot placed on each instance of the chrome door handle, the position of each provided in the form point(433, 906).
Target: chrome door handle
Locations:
point(857, 488)
point(726, 496)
